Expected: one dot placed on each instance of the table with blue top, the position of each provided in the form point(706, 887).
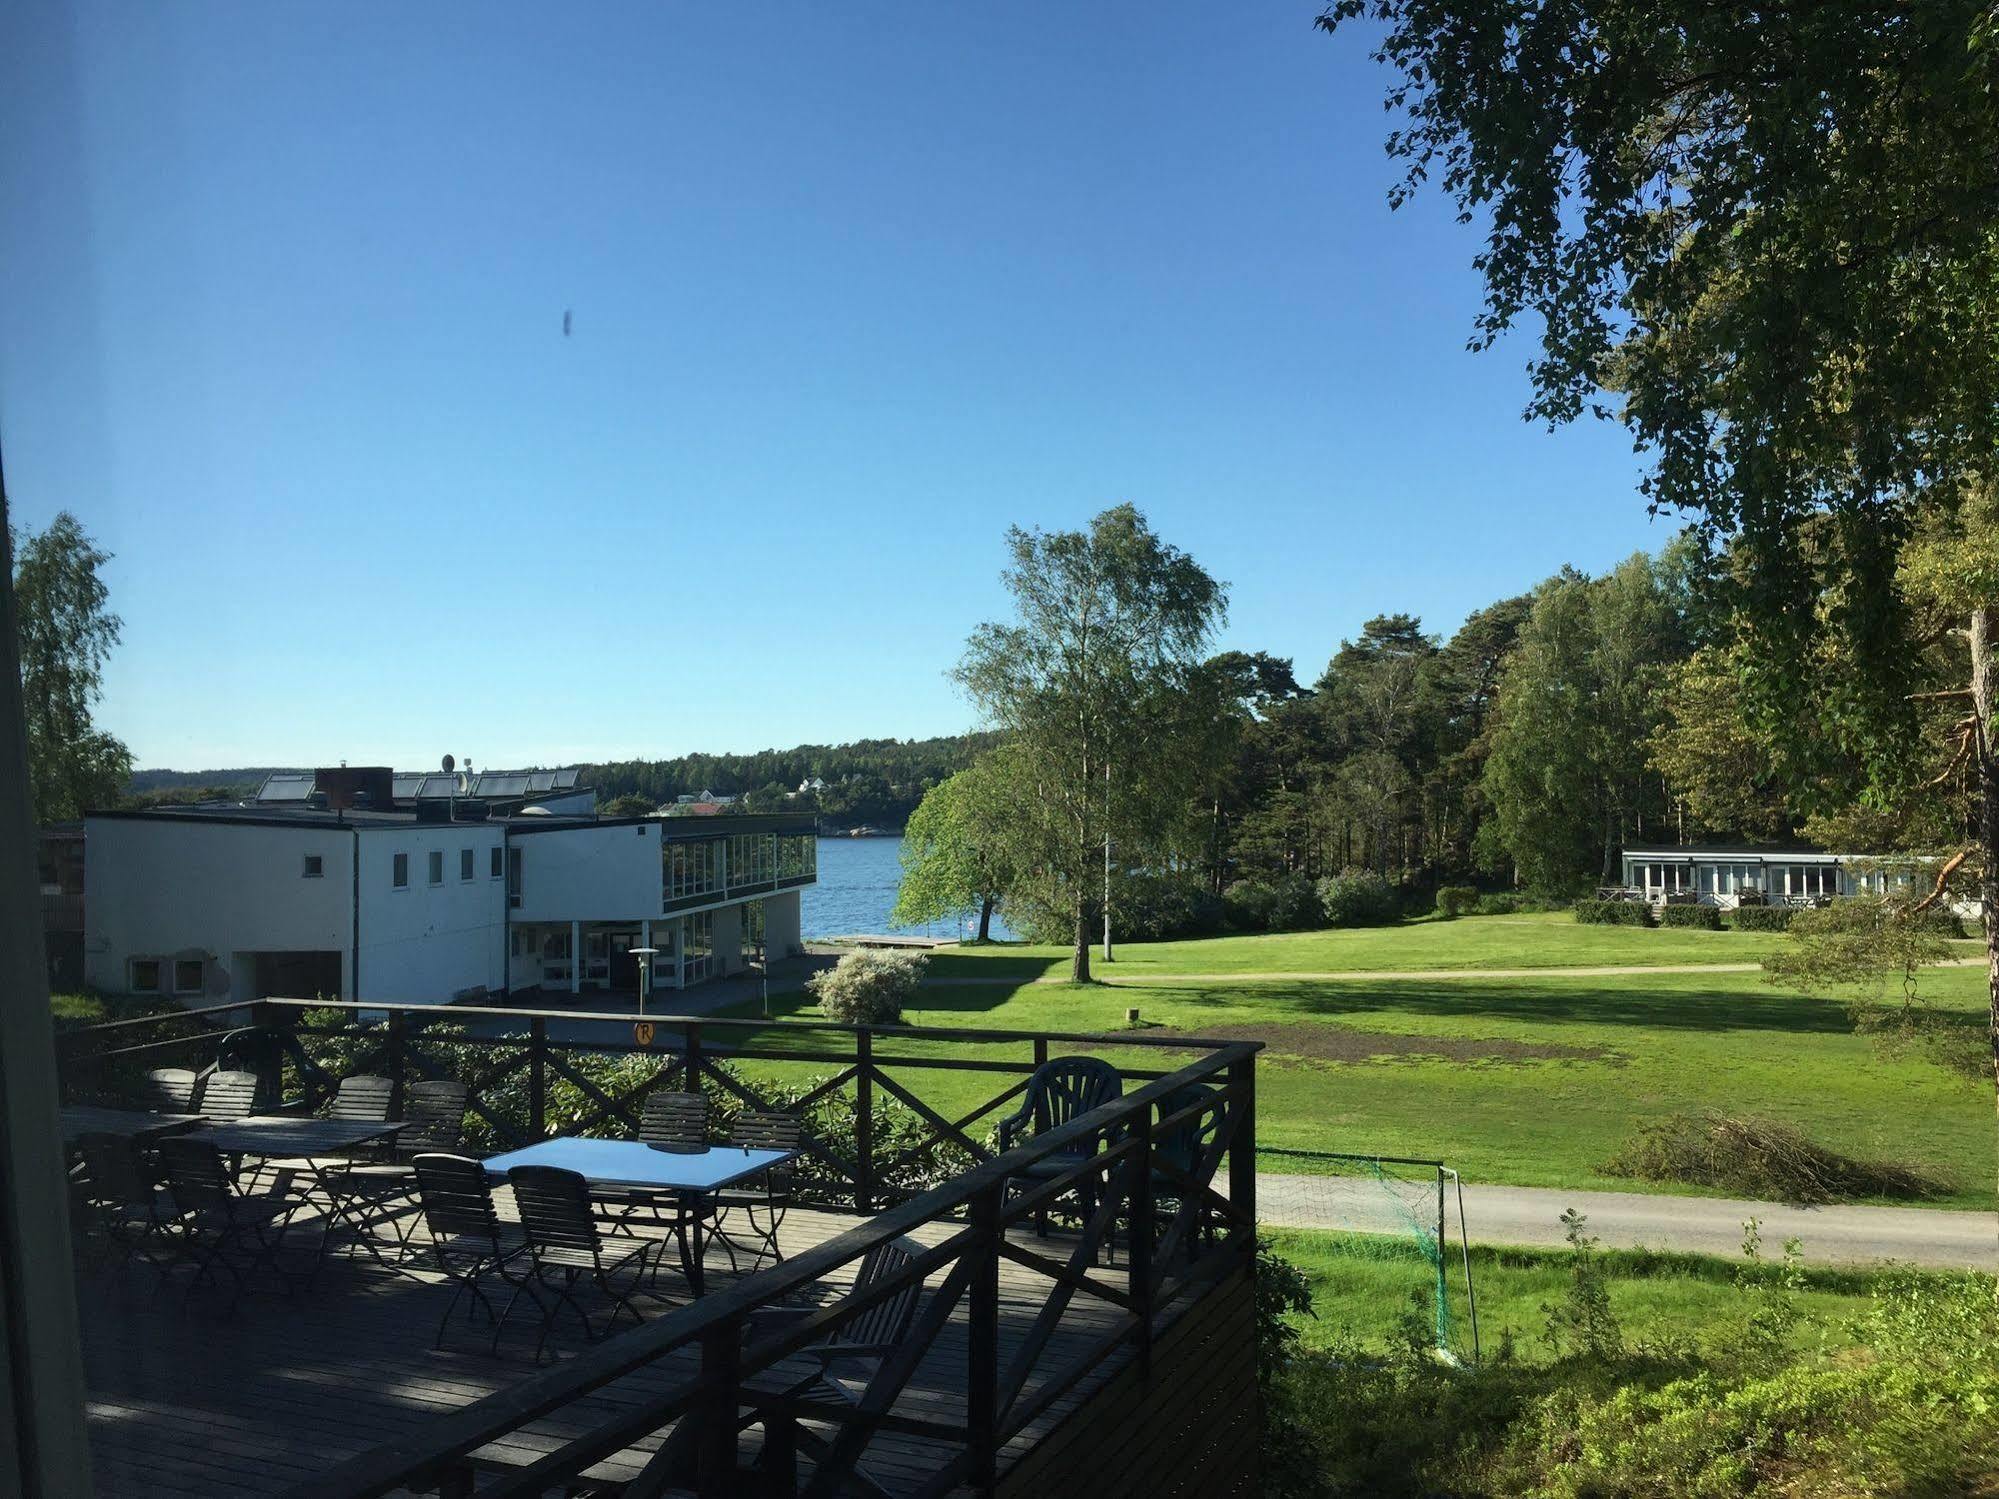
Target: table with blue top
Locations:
point(637, 1170)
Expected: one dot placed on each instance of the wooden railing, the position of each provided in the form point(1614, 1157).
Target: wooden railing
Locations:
point(1142, 1196)
point(514, 1066)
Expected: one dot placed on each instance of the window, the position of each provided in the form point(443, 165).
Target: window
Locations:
point(315, 866)
point(437, 866)
point(145, 975)
point(514, 875)
point(401, 877)
point(465, 864)
point(187, 975)
point(517, 942)
point(499, 861)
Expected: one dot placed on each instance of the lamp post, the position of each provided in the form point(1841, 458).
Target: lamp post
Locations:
point(645, 955)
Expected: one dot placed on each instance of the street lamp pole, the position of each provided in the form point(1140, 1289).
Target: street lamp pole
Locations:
point(645, 955)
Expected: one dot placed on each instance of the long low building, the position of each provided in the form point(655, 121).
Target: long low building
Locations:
point(353, 894)
point(1724, 875)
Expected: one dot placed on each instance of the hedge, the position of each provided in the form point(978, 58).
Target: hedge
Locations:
point(1761, 919)
point(1613, 913)
point(1706, 918)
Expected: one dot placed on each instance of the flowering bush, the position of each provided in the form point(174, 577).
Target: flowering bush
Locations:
point(868, 986)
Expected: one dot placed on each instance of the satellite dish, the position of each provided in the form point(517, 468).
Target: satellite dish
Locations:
point(449, 764)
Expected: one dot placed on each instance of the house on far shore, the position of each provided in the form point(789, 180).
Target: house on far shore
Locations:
point(1732, 875)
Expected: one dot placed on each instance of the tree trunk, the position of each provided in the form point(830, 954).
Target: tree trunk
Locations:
point(1079, 967)
point(985, 918)
point(1984, 689)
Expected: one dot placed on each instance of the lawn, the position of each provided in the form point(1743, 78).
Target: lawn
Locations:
point(1533, 1081)
point(1544, 940)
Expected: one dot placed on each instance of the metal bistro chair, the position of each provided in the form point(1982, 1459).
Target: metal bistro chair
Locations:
point(564, 1248)
point(671, 1121)
point(228, 1095)
point(169, 1090)
point(364, 1099)
point(675, 1119)
point(1058, 1091)
point(371, 1190)
point(467, 1238)
point(433, 1119)
point(222, 1220)
point(764, 1201)
point(124, 1202)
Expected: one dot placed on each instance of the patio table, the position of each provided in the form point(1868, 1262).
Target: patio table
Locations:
point(282, 1137)
point(635, 1166)
point(83, 1119)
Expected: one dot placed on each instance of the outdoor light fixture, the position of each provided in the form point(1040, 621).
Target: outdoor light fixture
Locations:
point(645, 955)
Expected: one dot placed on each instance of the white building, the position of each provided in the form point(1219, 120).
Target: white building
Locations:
point(1722, 876)
point(342, 885)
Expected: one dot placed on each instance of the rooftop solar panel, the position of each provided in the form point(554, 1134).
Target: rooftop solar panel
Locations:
point(506, 784)
point(541, 780)
point(438, 786)
point(407, 786)
point(564, 779)
point(286, 788)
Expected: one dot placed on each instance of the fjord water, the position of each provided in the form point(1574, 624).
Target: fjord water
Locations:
point(856, 890)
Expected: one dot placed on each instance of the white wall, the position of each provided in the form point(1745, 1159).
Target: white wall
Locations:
point(609, 873)
point(782, 925)
point(422, 943)
point(167, 887)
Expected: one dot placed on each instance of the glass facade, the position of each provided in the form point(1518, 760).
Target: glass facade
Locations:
point(732, 862)
point(692, 868)
point(698, 933)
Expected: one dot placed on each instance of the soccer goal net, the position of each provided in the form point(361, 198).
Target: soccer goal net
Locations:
point(1379, 1226)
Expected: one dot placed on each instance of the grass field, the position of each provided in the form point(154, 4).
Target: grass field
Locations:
point(1545, 940)
point(1533, 1081)
point(1657, 1298)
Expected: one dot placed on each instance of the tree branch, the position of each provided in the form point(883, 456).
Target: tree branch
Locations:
point(1951, 866)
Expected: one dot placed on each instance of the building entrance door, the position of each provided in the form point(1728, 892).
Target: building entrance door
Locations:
point(624, 968)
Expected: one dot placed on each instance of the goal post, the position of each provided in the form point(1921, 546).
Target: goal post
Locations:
point(1396, 1220)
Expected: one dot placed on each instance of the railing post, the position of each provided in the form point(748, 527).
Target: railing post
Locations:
point(396, 1053)
point(1139, 1278)
point(691, 1057)
point(982, 1342)
point(864, 1119)
point(1040, 1051)
point(1242, 1145)
point(715, 1408)
point(538, 1078)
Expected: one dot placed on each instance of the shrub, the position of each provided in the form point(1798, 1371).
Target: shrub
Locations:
point(1454, 901)
point(1288, 903)
point(1759, 1158)
point(1701, 918)
point(1357, 897)
point(1761, 919)
point(1613, 913)
point(1155, 907)
point(868, 986)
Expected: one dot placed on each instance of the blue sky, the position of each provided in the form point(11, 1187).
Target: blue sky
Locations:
point(852, 289)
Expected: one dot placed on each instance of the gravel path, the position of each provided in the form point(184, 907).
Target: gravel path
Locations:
point(1931, 1237)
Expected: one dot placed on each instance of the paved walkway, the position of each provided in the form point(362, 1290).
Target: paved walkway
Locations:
point(1934, 1238)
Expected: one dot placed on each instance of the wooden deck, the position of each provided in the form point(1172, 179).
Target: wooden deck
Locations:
point(187, 1401)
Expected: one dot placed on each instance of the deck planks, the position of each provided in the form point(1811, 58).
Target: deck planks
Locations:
point(186, 1401)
